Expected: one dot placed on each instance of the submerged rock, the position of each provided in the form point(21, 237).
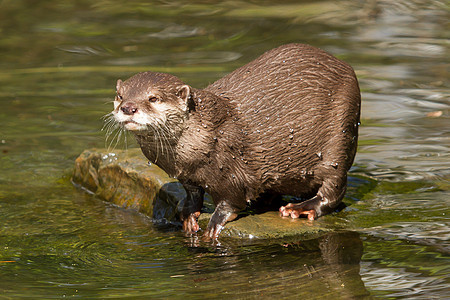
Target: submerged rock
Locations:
point(125, 178)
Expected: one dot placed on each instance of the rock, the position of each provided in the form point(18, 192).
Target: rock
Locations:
point(125, 178)
point(270, 225)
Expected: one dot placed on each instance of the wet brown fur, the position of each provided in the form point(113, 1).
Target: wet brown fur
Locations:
point(285, 123)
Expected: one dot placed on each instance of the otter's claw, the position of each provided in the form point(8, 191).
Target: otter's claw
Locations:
point(222, 214)
point(190, 224)
point(295, 210)
point(212, 233)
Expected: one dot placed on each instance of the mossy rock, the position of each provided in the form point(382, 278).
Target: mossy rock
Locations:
point(125, 178)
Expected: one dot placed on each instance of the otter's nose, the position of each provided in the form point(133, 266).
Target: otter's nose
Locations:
point(129, 109)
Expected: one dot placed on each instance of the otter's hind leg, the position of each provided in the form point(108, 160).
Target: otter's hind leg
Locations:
point(328, 197)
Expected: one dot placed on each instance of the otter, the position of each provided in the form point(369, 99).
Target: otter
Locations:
point(284, 124)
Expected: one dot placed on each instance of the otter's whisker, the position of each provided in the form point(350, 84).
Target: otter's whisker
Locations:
point(168, 136)
point(110, 128)
point(115, 136)
point(156, 141)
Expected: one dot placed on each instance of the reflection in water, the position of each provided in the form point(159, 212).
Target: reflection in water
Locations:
point(313, 268)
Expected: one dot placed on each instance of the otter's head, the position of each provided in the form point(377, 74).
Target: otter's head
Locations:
point(152, 102)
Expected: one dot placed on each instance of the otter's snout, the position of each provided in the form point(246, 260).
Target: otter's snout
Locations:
point(129, 109)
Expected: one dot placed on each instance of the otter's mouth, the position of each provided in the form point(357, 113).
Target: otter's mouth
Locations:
point(129, 122)
point(133, 126)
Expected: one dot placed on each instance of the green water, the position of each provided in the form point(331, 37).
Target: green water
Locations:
point(59, 61)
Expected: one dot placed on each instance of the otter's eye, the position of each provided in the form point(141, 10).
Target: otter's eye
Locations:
point(153, 99)
point(119, 97)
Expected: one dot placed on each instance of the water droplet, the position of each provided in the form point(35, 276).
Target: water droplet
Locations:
point(215, 139)
point(359, 123)
point(319, 155)
point(291, 136)
point(206, 186)
point(232, 175)
point(198, 129)
point(221, 131)
point(334, 165)
point(149, 163)
point(344, 131)
point(291, 130)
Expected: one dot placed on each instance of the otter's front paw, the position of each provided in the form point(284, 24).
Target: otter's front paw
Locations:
point(190, 224)
point(212, 232)
point(222, 214)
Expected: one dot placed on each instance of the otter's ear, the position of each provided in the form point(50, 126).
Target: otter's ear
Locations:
point(118, 85)
point(184, 93)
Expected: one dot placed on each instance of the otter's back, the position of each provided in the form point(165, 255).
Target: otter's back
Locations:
point(295, 98)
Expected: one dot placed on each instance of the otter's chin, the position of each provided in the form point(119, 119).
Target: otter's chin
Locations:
point(133, 126)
